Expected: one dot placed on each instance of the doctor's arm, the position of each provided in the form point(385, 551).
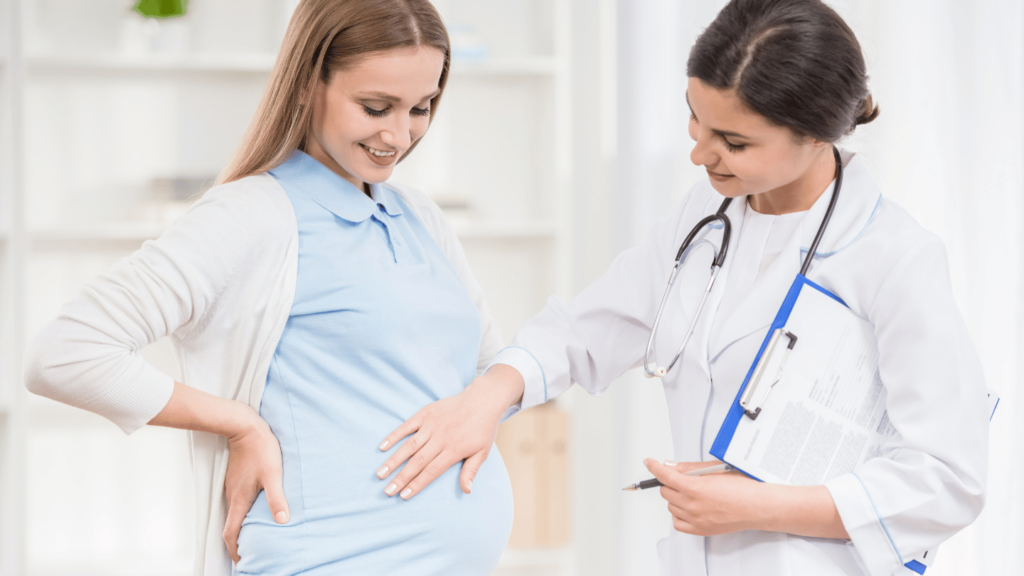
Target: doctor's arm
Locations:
point(723, 503)
point(590, 340)
point(929, 482)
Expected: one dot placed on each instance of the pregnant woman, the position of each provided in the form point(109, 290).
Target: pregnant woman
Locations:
point(314, 308)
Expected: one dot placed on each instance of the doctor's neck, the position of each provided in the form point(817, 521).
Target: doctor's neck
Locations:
point(800, 194)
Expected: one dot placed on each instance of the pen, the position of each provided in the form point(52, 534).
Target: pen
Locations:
point(654, 482)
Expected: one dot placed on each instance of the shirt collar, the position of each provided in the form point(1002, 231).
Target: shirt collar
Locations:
point(342, 198)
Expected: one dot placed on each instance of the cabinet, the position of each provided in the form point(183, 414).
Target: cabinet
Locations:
point(110, 124)
point(535, 447)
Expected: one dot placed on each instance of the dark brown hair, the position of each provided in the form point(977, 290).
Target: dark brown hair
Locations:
point(325, 36)
point(795, 62)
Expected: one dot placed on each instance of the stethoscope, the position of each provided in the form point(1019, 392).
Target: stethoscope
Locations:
point(716, 265)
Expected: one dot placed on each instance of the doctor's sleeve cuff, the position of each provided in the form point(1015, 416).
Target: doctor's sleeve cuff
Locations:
point(869, 535)
point(535, 386)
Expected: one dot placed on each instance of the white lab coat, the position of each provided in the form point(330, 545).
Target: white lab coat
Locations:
point(930, 482)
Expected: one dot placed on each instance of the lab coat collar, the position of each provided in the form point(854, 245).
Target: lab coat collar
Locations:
point(334, 193)
point(858, 202)
point(859, 199)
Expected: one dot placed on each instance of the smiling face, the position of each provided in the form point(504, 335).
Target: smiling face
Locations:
point(745, 154)
point(369, 114)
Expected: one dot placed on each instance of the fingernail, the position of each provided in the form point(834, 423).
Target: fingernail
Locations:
point(470, 485)
point(282, 517)
point(384, 445)
point(670, 464)
point(406, 493)
point(390, 489)
point(382, 472)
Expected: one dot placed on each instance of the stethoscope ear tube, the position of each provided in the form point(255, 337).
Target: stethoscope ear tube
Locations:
point(726, 231)
point(658, 371)
point(828, 213)
point(716, 265)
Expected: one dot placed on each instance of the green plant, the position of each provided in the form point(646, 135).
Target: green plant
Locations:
point(161, 8)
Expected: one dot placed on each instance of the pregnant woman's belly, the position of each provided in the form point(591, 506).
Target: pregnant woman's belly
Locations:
point(341, 520)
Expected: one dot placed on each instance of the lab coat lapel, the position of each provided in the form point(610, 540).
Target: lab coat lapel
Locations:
point(758, 308)
point(858, 200)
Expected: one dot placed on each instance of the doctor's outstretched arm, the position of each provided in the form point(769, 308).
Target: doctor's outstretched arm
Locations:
point(591, 340)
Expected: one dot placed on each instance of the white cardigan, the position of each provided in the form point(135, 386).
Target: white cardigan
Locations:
point(220, 283)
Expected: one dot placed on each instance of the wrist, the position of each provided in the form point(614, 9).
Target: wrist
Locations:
point(502, 384)
point(800, 510)
point(770, 509)
point(191, 409)
point(241, 420)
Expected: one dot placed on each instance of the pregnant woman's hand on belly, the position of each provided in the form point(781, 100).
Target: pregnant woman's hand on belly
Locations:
point(254, 464)
point(462, 427)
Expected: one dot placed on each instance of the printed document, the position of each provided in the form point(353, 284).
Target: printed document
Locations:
point(826, 414)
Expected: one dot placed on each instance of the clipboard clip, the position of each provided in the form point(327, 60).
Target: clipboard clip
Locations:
point(753, 410)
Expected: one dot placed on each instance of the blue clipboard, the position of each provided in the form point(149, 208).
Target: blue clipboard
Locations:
point(732, 419)
point(736, 412)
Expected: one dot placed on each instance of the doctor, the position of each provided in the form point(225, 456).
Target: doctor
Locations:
point(773, 85)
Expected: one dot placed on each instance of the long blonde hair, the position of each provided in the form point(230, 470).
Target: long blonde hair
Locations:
point(324, 36)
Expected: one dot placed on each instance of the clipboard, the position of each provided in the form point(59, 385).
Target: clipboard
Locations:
point(769, 370)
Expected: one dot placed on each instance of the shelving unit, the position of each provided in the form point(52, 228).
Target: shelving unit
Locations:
point(80, 147)
point(246, 64)
point(12, 319)
point(137, 233)
point(255, 64)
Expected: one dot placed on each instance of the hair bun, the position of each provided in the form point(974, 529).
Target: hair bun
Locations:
point(868, 111)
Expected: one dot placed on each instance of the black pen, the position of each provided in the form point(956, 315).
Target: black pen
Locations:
point(654, 482)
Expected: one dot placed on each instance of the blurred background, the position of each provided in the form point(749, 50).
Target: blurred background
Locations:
point(561, 138)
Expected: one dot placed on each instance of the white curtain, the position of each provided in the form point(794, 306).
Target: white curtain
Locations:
point(948, 146)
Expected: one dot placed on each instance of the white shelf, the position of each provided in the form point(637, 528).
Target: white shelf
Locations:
point(535, 557)
point(530, 66)
point(242, 63)
point(139, 232)
point(508, 229)
point(118, 232)
point(260, 64)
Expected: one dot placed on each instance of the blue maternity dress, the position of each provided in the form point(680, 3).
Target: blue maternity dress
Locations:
point(381, 326)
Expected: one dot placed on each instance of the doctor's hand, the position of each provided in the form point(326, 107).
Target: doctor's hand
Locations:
point(729, 502)
point(462, 427)
point(708, 505)
point(254, 464)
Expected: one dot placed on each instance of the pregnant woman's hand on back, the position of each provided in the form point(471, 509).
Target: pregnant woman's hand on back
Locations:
point(254, 455)
point(254, 464)
point(462, 427)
